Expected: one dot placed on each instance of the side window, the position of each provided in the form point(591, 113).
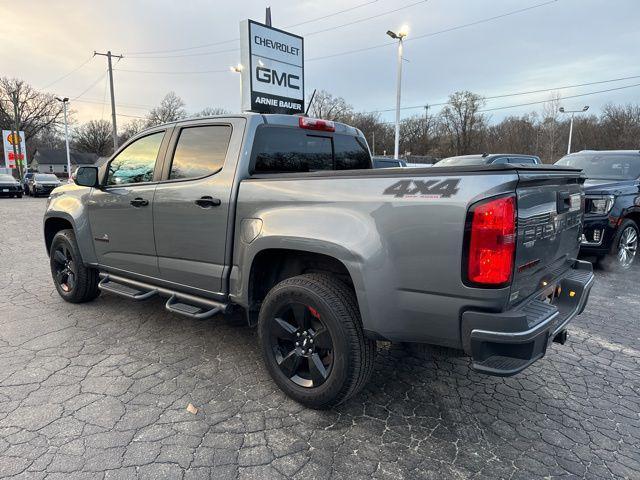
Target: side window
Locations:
point(135, 164)
point(351, 153)
point(527, 160)
point(500, 160)
point(200, 151)
point(283, 149)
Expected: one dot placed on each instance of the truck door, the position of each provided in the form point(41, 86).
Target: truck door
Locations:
point(120, 213)
point(192, 223)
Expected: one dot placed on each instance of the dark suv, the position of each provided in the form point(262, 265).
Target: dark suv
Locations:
point(488, 159)
point(612, 208)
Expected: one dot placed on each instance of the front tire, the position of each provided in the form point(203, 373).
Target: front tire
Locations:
point(624, 249)
point(74, 282)
point(313, 341)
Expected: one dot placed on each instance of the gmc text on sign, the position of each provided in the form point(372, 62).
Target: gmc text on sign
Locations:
point(273, 74)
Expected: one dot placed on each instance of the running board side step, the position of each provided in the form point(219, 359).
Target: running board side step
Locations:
point(124, 290)
point(192, 311)
point(183, 303)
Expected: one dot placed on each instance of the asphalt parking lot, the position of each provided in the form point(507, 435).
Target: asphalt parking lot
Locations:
point(100, 390)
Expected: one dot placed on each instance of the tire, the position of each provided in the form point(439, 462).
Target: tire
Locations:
point(19, 195)
point(624, 248)
point(330, 311)
point(74, 282)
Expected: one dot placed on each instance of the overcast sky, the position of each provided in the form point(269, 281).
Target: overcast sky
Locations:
point(561, 43)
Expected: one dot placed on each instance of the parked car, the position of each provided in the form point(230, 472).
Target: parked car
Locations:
point(43, 184)
point(283, 218)
point(612, 209)
point(489, 159)
point(9, 186)
point(25, 182)
point(387, 162)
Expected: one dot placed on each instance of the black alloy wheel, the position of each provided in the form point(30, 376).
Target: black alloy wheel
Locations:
point(301, 345)
point(64, 268)
point(312, 340)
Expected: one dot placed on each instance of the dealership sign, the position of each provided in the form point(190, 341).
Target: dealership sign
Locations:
point(272, 69)
point(9, 139)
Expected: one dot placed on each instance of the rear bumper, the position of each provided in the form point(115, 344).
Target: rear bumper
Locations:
point(506, 343)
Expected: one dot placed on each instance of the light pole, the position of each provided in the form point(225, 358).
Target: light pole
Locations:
point(64, 101)
point(398, 36)
point(572, 112)
point(238, 69)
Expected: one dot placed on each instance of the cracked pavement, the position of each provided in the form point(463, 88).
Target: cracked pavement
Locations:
point(100, 390)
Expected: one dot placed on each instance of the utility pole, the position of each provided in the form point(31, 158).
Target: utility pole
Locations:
point(398, 36)
point(114, 128)
point(572, 112)
point(64, 101)
point(17, 149)
point(426, 127)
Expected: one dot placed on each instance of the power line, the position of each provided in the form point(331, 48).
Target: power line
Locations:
point(450, 29)
point(223, 42)
point(568, 97)
point(561, 98)
point(93, 84)
point(365, 18)
point(515, 94)
point(363, 49)
point(66, 75)
point(226, 70)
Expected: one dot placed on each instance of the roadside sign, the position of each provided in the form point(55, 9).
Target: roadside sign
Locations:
point(272, 69)
point(9, 139)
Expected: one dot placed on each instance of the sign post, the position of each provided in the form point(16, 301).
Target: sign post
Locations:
point(15, 149)
point(273, 69)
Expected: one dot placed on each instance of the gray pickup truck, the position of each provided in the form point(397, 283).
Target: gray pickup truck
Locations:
point(283, 218)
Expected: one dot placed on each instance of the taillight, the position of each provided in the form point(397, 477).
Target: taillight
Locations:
point(316, 124)
point(491, 242)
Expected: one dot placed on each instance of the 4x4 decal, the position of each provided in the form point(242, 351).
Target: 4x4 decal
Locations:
point(424, 188)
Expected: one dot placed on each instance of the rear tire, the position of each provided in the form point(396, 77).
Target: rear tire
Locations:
point(338, 364)
point(75, 282)
point(624, 249)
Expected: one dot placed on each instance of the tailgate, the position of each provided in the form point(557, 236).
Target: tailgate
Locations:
point(550, 209)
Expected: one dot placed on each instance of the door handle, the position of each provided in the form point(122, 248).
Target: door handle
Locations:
point(208, 202)
point(139, 202)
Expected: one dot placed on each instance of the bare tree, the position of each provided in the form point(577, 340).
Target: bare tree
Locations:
point(131, 128)
point(327, 106)
point(461, 122)
point(210, 112)
point(170, 109)
point(37, 110)
point(94, 137)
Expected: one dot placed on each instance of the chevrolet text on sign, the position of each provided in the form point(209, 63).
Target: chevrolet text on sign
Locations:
point(273, 69)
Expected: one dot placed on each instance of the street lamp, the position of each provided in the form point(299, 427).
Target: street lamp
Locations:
point(64, 101)
point(572, 112)
point(403, 32)
point(238, 69)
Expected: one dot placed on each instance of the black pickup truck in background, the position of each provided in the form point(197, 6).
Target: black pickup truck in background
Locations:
point(612, 205)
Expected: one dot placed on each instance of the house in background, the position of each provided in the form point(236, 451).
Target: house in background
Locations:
point(53, 160)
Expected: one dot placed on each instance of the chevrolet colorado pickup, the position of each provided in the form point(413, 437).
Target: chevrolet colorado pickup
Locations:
point(283, 218)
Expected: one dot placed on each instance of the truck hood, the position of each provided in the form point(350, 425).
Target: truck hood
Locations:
point(601, 186)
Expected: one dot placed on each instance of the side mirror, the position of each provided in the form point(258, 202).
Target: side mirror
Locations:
point(87, 176)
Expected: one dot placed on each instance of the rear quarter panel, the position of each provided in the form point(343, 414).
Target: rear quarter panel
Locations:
point(399, 233)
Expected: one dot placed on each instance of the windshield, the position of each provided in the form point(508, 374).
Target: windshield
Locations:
point(45, 177)
point(6, 178)
point(464, 160)
point(605, 166)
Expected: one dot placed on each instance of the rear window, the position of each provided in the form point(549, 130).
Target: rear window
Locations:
point(45, 177)
point(284, 149)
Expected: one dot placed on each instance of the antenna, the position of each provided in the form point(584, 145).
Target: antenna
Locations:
point(310, 102)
